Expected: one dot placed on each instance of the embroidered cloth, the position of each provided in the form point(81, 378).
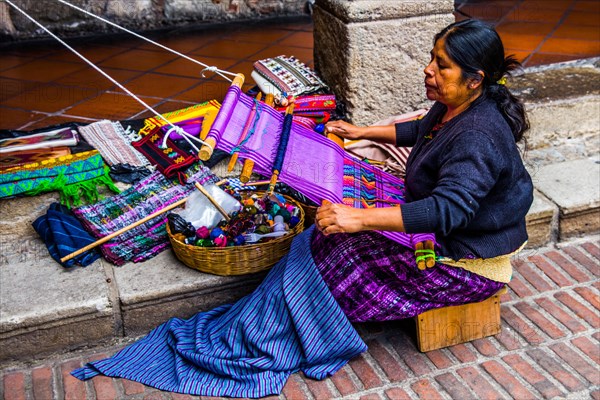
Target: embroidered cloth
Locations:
point(110, 139)
point(248, 349)
point(140, 200)
point(376, 279)
point(76, 177)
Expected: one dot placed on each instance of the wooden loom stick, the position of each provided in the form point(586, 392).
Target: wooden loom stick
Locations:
point(122, 230)
point(206, 150)
point(146, 219)
point(248, 163)
point(249, 122)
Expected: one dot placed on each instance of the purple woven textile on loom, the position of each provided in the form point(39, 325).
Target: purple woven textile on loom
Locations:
point(374, 279)
point(313, 165)
point(146, 197)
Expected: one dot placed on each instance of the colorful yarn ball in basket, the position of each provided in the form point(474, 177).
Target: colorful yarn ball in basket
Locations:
point(224, 250)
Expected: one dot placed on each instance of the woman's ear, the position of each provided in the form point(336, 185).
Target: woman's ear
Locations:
point(476, 82)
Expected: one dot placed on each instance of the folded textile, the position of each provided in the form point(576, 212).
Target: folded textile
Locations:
point(23, 157)
point(110, 139)
point(291, 322)
point(289, 75)
point(76, 177)
point(63, 234)
point(140, 200)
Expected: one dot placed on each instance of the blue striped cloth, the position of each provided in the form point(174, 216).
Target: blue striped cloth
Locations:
point(291, 322)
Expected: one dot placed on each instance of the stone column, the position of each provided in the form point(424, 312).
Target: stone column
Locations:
point(372, 52)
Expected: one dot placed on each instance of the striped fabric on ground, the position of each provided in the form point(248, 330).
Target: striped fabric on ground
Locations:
point(289, 323)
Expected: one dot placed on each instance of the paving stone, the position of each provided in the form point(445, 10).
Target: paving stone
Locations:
point(540, 220)
point(163, 287)
point(575, 187)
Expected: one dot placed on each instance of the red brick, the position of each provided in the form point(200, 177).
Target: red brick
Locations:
point(551, 272)
point(592, 249)
point(507, 380)
point(509, 338)
point(477, 382)
point(532, 276)
point(73, 387)
point(554, 368)
point(425, 390)
point(588, 347)
point(561, 315)
point(453, 386)
point(508, 296)
point(319, 389)
point(14, 386)
point(570, 268)
point(372, 396)
point(179, 396)
point(583, 260)
point(463, 354)
point(42, 382)
point(531, 375)
point(104, 387)
point(132, 387)
point(439, 359)
point(397, 394)
point(577, 362)
point(595, 394)
point(392, 368)
point(519, 325)
point(293, 389)
point(407, 351)
point(519, 287)
point(343, 383)
point(589, 295)
point(596, 336)
point(365, 372)
point(582, 311)
point(485, 347)
point(540, 321)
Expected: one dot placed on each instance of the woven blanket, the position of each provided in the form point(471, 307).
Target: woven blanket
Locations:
point(63, 234)
point(291, 322)
point(76, 177)
point(144, 198)
point(289, 75)
point(110, 139)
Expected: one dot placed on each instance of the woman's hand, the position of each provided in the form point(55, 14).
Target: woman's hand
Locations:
point(345, 130)
point(339, 218)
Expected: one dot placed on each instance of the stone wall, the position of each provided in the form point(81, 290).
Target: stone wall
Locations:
point(372, 52)
point(134, 14)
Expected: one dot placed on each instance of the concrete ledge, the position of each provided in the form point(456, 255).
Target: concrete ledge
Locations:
point(542, 220)
point(375, 10)
point(574, 186)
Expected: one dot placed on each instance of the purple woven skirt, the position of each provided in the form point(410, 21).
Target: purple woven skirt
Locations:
point(376, 279)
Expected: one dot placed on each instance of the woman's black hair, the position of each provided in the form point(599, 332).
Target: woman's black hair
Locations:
point(476, 46)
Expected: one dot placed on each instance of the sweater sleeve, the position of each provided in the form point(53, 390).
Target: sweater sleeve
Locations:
point(406, 133)
point(468, 171)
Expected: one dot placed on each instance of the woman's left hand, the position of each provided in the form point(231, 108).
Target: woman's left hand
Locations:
point(339, 218)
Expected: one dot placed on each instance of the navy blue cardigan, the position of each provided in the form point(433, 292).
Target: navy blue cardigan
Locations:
point(467, 184)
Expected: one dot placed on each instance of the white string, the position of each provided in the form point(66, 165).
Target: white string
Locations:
point(180, 130)
point(220, 72)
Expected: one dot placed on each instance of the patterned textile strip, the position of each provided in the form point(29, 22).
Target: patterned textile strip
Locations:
point(289, 75)
point(207, 110)
point(147, 196)
point(70, 175)
point(110, 139)
point(317, 102)
point(291, 322)
point(317, 177)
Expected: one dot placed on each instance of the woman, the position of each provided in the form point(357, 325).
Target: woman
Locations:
point(465, 181)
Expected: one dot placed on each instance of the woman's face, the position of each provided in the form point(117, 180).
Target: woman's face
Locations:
point(443, 78)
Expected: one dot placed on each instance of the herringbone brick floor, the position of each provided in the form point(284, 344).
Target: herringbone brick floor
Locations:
point(548, 348)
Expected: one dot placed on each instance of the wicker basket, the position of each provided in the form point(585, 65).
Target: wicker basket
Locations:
point(237, 260)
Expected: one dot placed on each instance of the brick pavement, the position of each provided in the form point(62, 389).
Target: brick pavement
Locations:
point(548, 348)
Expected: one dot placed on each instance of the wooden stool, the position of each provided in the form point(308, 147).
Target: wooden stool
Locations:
point(446, 326)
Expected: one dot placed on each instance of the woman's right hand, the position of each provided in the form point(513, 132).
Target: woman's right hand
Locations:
point(345, 130)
